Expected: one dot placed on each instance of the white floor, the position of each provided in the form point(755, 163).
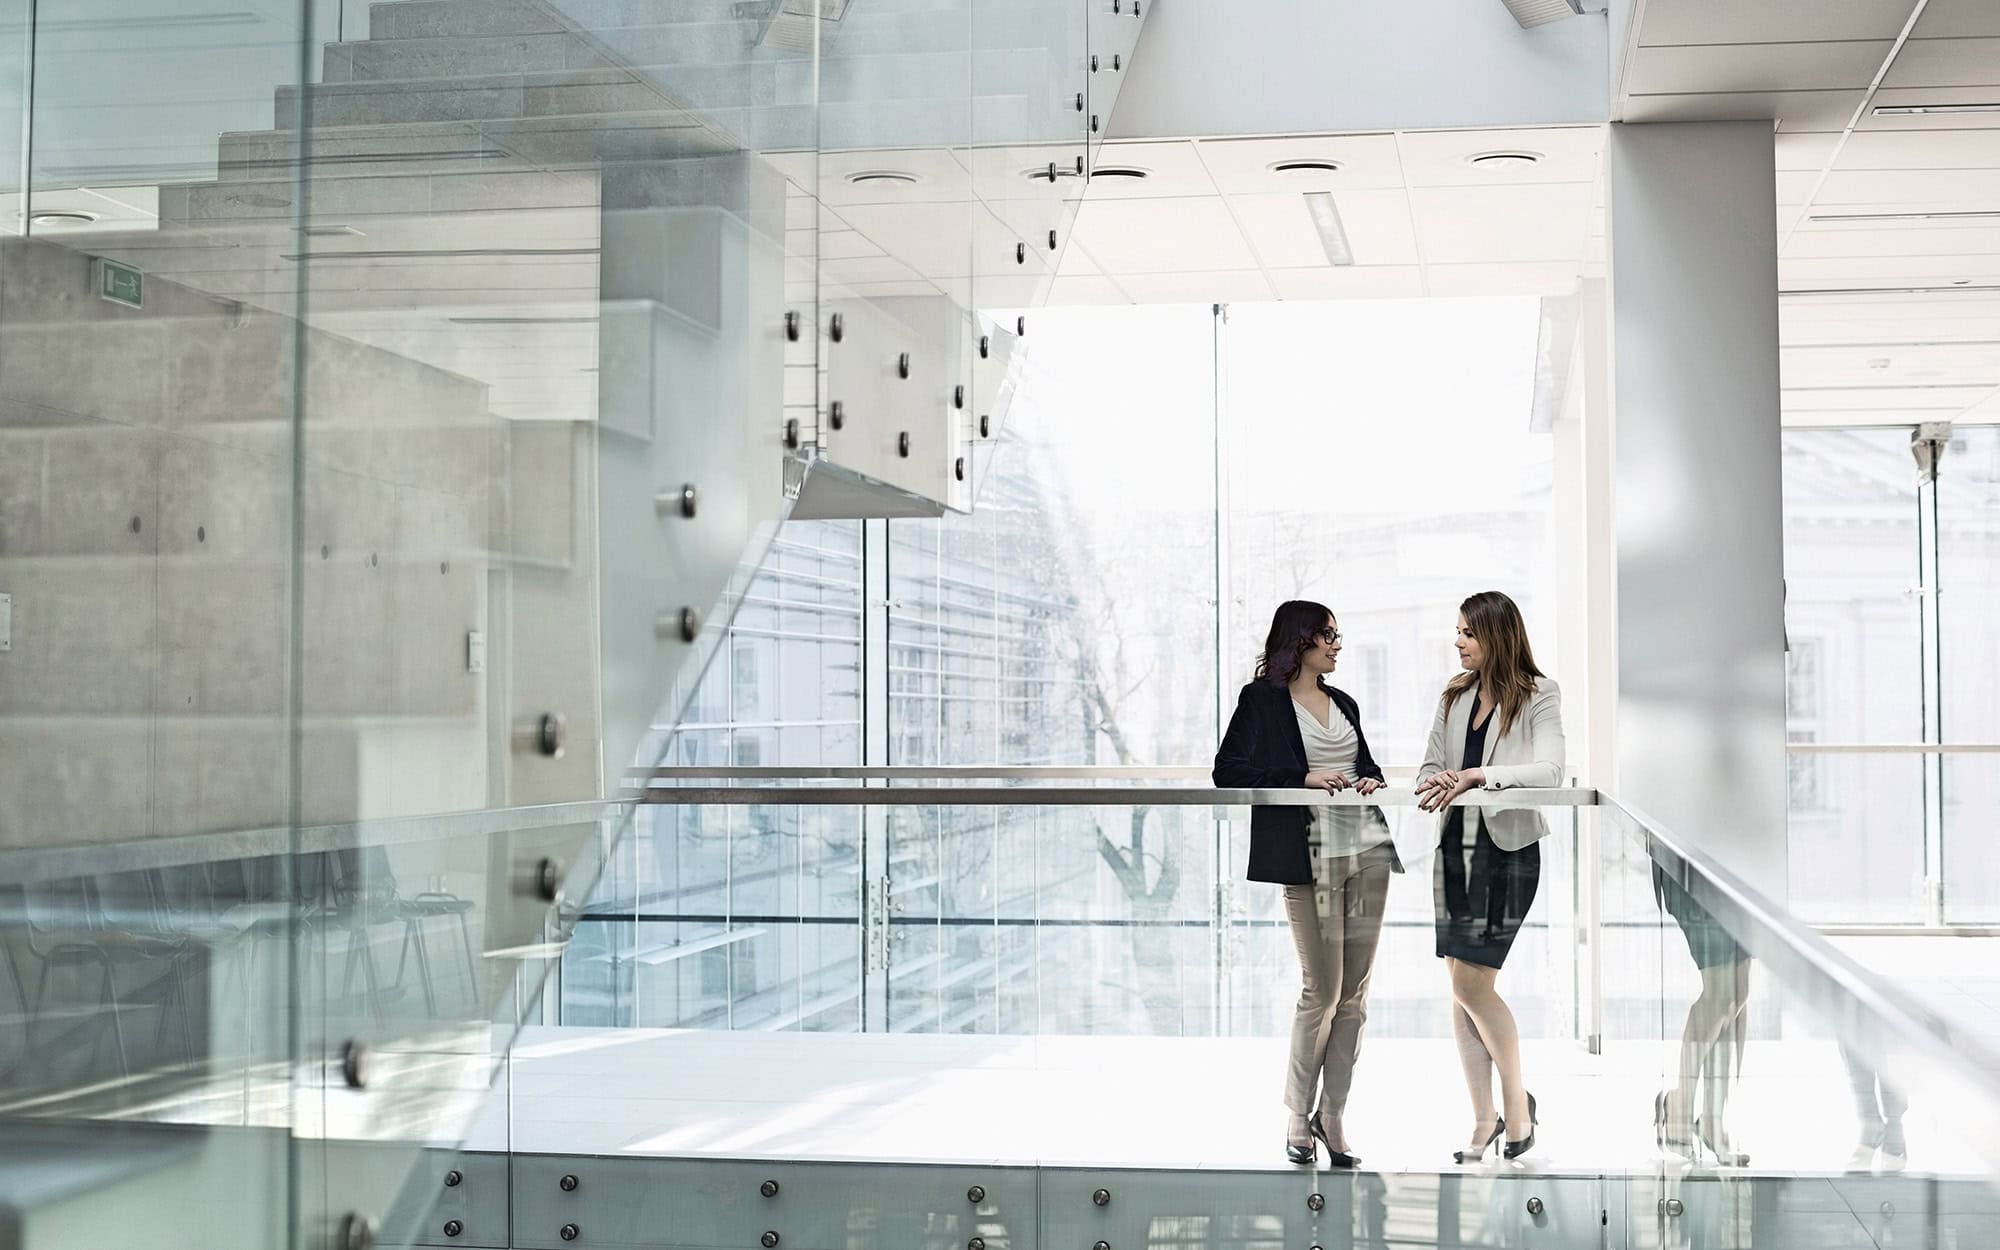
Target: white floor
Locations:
point(1123, 1102)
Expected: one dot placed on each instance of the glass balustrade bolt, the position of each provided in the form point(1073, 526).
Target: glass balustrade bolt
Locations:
point(986, 427)
point(1117, 61)
point(958, 395)
point(1535, 1206)
point(569, 1232)
point(976, 1194)
point(977, 1243)
point(1100, 1245)
point(903, 444)
point(453, 1228)
point(836, 414)
point(791, 326)
point(1672, 1207)
point(548, 879)
point(138, 525)
point(1102, 1197)
point(1079, 101)
point(690, 624)
point(354, 1065)
point(769, 1189)
point(958, 468)
point(1093, 123)
point(1052, 240)
point(1021, 326)
point(1093, 63)
point(1315, 1202)
point(985, 346)
point(903, 365)
point(836, 328)
point(792, 433)
point(1021, 249)
point(357, 1232)
point(569, 1182)
point(453, 1179)
point(769, 1239)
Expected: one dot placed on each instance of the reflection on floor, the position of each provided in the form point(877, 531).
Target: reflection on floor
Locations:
point(1957, 977)
point(1099, 1102)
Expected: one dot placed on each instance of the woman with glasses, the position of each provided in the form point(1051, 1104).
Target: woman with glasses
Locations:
point(1293, 729)
point(1501, 721)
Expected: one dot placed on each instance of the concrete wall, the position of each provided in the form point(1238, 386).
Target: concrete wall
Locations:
point(1207, 67)
point(145, 512)
point(1695, 465)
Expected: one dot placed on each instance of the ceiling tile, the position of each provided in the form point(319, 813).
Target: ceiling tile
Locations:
point(1923, 149)
point(1162, 236)
point(1887, 272)
point(1732, 21)
point(1452, 281)
point(1086, 290)
point(1818, 239)
point(1205, 287)
point(1805, 152)
point(1965, 189)
point(1754, 67)
point(1957, 19)
point(933, 239)
point(1077, 262)
point(1281, 231)
point(1355, 282)
point(939, 176)
point(1793, 110)
point(1946, 63)
point(1490, 224)
point(1439, 158)
point(1172, 168)
point(1244, 165)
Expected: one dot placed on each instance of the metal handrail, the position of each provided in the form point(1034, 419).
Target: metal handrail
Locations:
point(1088, 796)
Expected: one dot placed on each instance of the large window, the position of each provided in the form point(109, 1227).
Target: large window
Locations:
point(1165, 477)
point(1969, 585)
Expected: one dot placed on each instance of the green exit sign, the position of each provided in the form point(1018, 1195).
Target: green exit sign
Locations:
point(121, 284)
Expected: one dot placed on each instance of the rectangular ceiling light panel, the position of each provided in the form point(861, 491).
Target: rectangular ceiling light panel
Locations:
point(1332, 235)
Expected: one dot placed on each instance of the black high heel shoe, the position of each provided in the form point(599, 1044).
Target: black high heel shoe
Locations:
point(1305, 1154)
point(1334, 1158)
point(1474, 1156)
point(1515, 1149)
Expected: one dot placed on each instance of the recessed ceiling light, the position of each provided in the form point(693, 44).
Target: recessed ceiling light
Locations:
point(1981, 214)
point(1918, 110)
point(1307, 166)
point(874, 177)
point(1503, 160)
point(62, 217)
point(1326, 219)
point(333, 232)
point(1119, 171)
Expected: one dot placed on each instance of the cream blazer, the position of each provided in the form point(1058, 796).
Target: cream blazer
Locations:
point(1531, 753)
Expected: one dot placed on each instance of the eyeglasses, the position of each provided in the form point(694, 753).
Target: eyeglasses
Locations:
point(1327, 636)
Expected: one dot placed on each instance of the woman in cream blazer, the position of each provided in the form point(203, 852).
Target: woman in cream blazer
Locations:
point(1498, 726)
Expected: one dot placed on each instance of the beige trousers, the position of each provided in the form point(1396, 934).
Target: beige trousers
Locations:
point(1336, 924)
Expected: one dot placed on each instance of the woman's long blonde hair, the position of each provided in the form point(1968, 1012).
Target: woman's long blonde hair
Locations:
point(1510, 670)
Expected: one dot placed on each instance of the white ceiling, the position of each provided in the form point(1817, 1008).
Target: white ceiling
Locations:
point(1213, 220)
point(1886, 321)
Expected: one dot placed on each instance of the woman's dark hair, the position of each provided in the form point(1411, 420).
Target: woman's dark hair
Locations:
point(1510, 671)
point(1295, 630)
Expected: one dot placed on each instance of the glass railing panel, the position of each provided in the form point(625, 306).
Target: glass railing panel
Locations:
point(1806, 1100)
point(423, 946)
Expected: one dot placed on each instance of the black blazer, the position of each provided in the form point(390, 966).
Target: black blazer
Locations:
point(1262, 750)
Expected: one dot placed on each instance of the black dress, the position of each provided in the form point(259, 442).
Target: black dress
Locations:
point(1482, 892)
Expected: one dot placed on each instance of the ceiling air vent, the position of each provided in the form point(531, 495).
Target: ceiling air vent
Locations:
point(1118, 171)
point(881, 177)
point(1311, 166)
point(1503, 160)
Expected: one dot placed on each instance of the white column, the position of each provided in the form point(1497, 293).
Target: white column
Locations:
point(1695, 469)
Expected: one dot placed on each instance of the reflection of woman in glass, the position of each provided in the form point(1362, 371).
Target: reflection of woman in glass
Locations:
point(1293, 729)
point(1501, 721)
point(1691, 1110)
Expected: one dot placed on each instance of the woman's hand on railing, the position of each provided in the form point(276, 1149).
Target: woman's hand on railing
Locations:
point(1327, 780)
point(1436, 792)
point(1368, 785)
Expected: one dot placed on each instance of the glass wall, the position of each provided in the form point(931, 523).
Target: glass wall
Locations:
point(1166, 476)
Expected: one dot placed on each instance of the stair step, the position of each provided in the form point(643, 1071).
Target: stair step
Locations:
point(586, 92)
point(430, 19)
point(368, 193)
